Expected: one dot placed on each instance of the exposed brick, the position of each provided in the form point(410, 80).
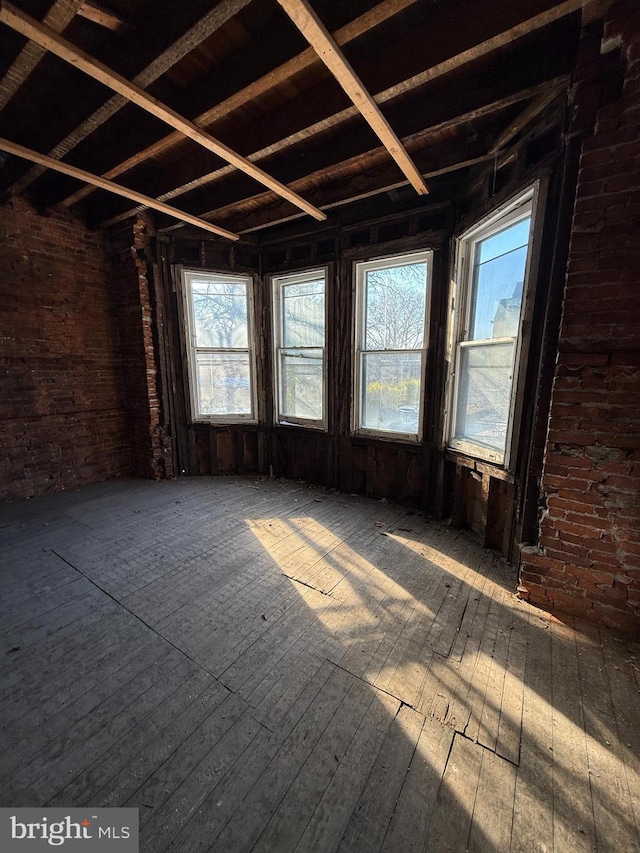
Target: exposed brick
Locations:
point(131, 275)
point(62, 423)
point(590, 485)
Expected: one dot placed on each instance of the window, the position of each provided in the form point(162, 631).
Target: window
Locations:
point(299, 335)
point(390, 344)
point(218, 311)
point(493, 261)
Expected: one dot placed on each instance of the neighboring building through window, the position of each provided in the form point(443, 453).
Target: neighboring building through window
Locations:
point(218, 312)
point(492, 267)
point(299, 335)
point(392, 298)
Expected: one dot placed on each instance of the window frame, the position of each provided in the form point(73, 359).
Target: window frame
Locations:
point(187, 276)
point(359, 270)
point(526, 203)
point(278, 281)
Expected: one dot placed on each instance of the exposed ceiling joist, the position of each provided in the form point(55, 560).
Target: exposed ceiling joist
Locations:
point(454, 62)
point(593, 10)
point(379, 180)
point(319, 38)
point(102, 17)
point(51, 41)
point(542, 90)
point(497, 42)
point(59, 16)
point(534, 109)
point(82, 175)
point(358, 27)
point(366, 163)
point(207, 25)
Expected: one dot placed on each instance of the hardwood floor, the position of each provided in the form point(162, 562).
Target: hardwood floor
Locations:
point(260, 665)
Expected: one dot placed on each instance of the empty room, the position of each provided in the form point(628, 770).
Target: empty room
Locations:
point(320, 426)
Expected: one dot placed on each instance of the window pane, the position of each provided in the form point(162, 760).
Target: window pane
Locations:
point(301, 384)
point(391, 391)
point(395, 307)
point(224, 383)
point(220, 313)
point(484, 390)
point(510, 238)
point(499, 271)
point(303, 314)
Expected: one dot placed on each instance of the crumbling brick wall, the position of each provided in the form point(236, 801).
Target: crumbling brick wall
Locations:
point(587, 561)
point(132, 272)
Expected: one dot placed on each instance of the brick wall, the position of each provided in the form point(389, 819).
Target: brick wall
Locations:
point(132, 281)
point(588, 558)
point(62, 420)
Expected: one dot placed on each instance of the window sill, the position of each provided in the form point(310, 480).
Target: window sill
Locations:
point(479, 465)
point(390, 437)
point(226, 422)
point(314, 427)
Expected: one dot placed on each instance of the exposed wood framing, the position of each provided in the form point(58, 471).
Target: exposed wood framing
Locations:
point(59, 16)
point(491, 45)
point(593, 10)
point(100, 16)
point(398, 89)
point(46, 38)
point(283, 144)
point(319, 38)
point(50, 163)
point(534, 109)
point(376, 16)
point(260, 212)
point(186, 43)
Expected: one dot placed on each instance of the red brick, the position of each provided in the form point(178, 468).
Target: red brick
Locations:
point(572, 506)
point(62, 382)
point(579, 531)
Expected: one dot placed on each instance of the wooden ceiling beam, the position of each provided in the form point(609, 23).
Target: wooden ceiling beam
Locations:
point(497, 42)
point(102, 17)
point(361, 164)
point(353, 30)
point(533, 92)
point(434, 156)
point(403, 87)
point(58, 17)
point(348, 182)
point(527, 115)
point(593, 10)
point(312, 28)
point(200, 31)
point(32, 29)
point(379, 179)
point(102, 183)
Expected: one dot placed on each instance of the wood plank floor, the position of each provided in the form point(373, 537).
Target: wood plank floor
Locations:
point(261, 665)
